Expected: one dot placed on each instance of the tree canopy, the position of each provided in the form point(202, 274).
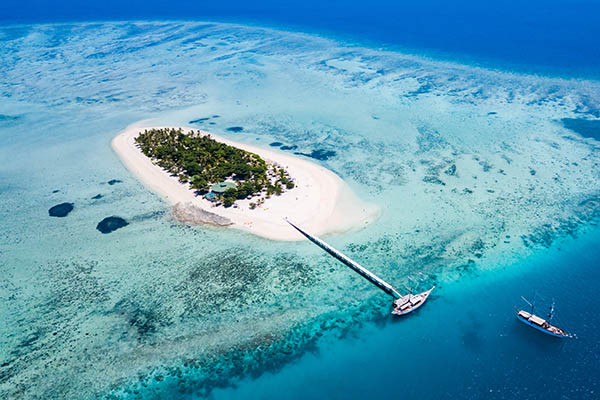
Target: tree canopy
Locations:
point(202, 161)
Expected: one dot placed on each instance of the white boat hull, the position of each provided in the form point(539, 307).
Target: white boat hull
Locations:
point(409, 303)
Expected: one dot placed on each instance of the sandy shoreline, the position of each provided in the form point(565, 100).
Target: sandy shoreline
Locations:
point(321, 202)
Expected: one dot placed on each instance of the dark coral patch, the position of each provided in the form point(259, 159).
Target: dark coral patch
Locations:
point(199, 120)
point(110, 224)
point(60, 210)
point(144, 321)
point(4, 117)
point(8, 119)
point(319, 154)
point(113, 181)
point(434, 179)
point(275, 144)
point(451, 171)
point(292, 147)
point(235, 128)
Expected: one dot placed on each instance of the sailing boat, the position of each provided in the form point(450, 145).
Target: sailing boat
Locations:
point(402, 305)
point(529, 318)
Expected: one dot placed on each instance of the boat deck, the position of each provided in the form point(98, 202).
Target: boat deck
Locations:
point(409, 303)
point(541, 324)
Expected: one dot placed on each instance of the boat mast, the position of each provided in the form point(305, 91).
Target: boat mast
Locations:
point(365, 273)
point(530, 304)
point(551, 314)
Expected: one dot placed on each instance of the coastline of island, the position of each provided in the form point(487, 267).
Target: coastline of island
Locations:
point(318, 199)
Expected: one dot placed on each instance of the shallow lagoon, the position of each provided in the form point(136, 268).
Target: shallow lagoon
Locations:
point(446, 150)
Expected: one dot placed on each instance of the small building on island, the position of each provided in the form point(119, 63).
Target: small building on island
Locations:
point(211, 196)
point(222, 187)
point(217, 189)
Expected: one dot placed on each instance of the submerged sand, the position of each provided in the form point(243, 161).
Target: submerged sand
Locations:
point(321, 202)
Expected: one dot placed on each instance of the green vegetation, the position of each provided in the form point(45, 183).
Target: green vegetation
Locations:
point(202, 161)
point(284, 180)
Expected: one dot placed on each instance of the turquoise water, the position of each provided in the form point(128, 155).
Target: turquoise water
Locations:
point(466, 344)
point(479, 181)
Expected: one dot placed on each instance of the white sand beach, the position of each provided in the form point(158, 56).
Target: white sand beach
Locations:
point(321, 202)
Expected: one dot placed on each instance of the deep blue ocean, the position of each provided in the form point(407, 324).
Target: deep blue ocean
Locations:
point(550, 37)
point(465, 343)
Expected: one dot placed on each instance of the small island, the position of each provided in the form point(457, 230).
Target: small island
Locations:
point(211, 180)
point(219, 172)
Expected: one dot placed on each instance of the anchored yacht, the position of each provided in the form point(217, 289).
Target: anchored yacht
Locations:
point(410, 302)
point(539, 323)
